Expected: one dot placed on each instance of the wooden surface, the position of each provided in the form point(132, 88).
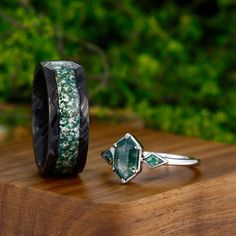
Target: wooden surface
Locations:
point(162, 201)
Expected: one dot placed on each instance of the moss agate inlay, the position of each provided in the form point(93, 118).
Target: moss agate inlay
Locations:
point(69, 117)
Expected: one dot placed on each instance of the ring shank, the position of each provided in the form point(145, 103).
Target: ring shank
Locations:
point(173, 159)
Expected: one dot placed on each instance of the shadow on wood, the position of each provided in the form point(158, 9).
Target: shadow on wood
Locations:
point(162, 201)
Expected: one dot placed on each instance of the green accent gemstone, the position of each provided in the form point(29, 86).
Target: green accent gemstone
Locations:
point(153, 161)
point(126, 159)
point(107, 156)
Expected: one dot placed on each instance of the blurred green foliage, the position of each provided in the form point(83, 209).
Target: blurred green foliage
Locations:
point(171, 62)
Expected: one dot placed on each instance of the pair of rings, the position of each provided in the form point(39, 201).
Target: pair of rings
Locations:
point(60, 126)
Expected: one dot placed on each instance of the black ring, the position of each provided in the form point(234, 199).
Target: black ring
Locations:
point(60, 119)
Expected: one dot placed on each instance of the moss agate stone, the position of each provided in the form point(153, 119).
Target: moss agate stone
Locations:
point(126, 163)
point(108, 155)
point(153, 160)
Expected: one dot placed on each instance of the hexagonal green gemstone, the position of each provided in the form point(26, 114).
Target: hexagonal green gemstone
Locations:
point(126, 159)
point(107, 156)
point(153, 161)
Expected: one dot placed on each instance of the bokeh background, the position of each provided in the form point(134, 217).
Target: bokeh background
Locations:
point(169, 65)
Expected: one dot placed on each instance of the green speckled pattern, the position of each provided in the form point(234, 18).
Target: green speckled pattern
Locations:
point(69, 117)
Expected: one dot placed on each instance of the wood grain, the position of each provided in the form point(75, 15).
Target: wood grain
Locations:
point(163, 201)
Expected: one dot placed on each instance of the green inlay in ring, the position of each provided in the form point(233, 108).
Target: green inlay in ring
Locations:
point(69, 117)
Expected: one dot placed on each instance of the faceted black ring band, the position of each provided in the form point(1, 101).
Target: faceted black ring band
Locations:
point(60, 120)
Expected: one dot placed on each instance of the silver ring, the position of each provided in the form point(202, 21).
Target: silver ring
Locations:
point(126, 157)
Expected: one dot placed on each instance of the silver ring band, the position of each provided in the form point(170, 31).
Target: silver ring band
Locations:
point(178, 160)
point(127, 157)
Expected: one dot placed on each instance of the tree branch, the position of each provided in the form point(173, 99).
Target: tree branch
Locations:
point(92, 47)
point(60, 45)
point(103, 56)
point(59, 40)
point(11, 20)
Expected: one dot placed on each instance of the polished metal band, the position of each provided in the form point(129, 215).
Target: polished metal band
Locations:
point(173, 159)
point(127, 157)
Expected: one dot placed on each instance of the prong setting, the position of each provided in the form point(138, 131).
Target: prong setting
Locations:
point(135, 171)
point(126, 157)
